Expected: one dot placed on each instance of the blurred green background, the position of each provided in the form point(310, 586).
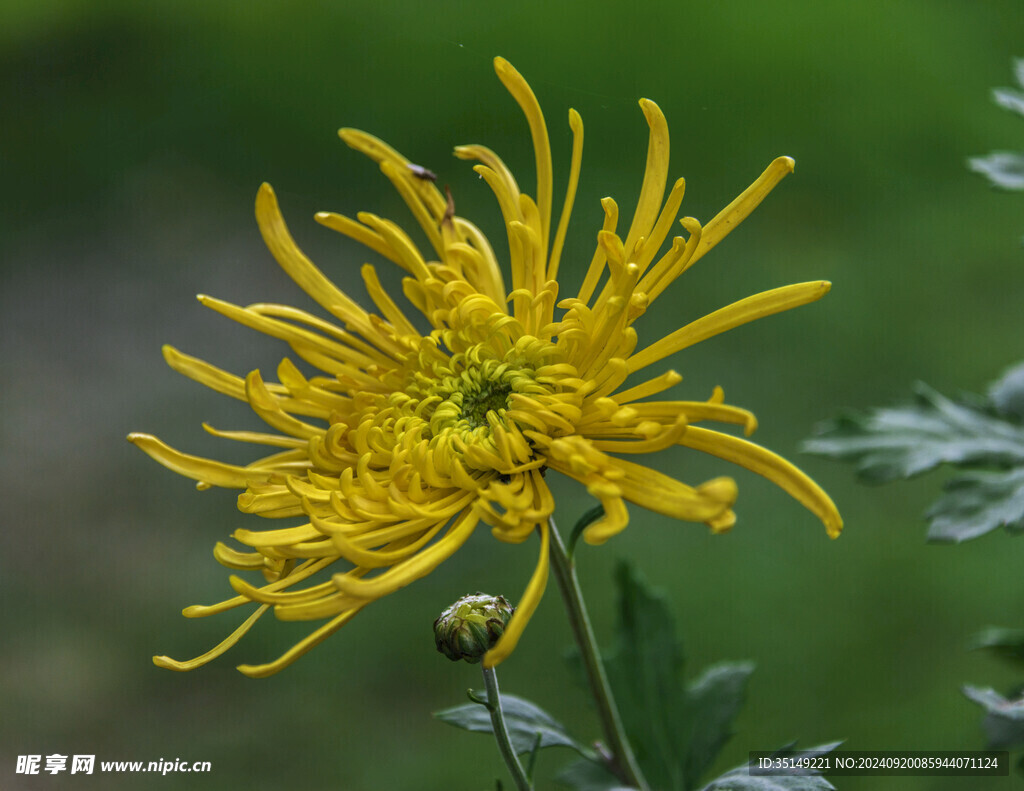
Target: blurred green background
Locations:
point(132, 141)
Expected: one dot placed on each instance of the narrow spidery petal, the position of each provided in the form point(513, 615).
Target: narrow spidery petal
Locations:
point(527, 605)
point(299, 268)
point(523, 94)
point(299, 649)
point(746, 310)
point(773, 467)
point(214, 473)
point(737, 211)
point(596, 268)
point(655, 175)
point(576, 124)
point(658, 492)
point(412, 569)
point(653, 242)
point(191, 664)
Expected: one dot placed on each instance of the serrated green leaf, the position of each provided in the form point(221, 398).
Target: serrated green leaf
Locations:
point(583, 775)
point(1004, 169)
point(644, 671)
point(523, 718)
point(1007, 393)
point(741, 779)
point(900, 442)
point(1004, 723)
point(713, 701)
point(977, 503)
point(1005, 643)
point(676, 731)
point(1008, 99)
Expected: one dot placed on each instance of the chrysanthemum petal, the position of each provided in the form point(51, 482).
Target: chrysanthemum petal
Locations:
point(206, 471)
point(655, 176)
point(415, 567)
point(746, 310)
point(300, 648)
point(773, 467)
point(737, 211)
point(658, 492)
point(299, 268)
point(524, 96)
point(527, 605)
point(191, 664)
point(576, 124)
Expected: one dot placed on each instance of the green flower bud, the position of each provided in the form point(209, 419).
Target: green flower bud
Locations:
point(470, 627)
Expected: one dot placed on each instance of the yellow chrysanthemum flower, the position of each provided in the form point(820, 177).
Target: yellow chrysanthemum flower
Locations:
point(405, 442)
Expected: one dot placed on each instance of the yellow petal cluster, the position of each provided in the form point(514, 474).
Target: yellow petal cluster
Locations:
point(404, 441)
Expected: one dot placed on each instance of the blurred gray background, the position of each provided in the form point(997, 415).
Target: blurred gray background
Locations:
point(132, 141)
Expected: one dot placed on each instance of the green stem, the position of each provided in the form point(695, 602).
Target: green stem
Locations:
point(508, 752)
point(625, 765)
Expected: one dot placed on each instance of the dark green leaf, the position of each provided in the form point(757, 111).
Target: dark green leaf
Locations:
point(740, 778)
point(977, 503)
point(900, 442)
point(1008, 99)
point(1007, 394)
point(583, 775)
point(713, 701)
point(523, 718)
point(644, 670)
point(1004, 722)
point(1005, 643)
point(676, 732)
point(1004, 169)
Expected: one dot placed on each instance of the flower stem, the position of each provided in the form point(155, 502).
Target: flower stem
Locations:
point(508, 752)
point(625, 765)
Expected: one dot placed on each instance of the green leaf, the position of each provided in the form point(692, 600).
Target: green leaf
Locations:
point(977, 503)
point(1005, 643)
point(1004, 723)
point(523, 718)
point(1009, 99)
point(644, 670)
point(1004, 169)
point(900, 442)
point(676, 731)
point(740, 778)
point(714, 700)
point(583, 775)
point(1007, 394)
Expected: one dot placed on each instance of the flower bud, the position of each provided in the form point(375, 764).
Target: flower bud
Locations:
point(470, 627)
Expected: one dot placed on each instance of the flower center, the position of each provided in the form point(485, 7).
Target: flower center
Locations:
point(478, 410)
point(474, 396)
point(492, 396)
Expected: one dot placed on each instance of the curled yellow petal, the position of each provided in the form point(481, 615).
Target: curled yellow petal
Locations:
point(527, 604)
point(773, 467)
point(191, 664)
point(213, 473)
point(414, 568)
point(748, 200)
point(299, 649)
point(746, 310)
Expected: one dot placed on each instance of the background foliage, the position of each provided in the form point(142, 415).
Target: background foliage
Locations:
point(133, 139)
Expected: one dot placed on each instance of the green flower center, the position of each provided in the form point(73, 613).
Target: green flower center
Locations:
point(490, 396)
